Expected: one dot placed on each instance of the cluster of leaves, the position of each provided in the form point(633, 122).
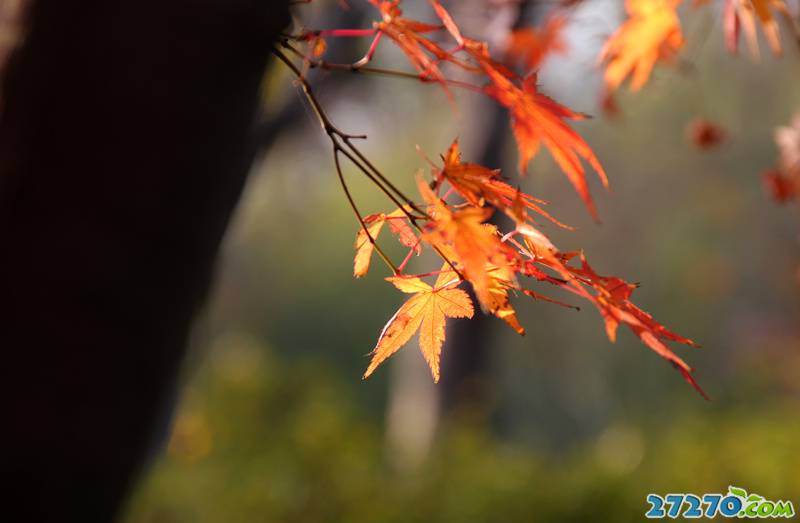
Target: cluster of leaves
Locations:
point(460, 198)
point(451, 215)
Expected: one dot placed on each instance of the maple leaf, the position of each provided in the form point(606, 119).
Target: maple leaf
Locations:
point(501, 281)
point(426, 311)
point(474, 245)
point(612, 299)
point(477, 49)
point(537, 119)
point(447, 21)
point(611, 296)
point(364, 246)
point(780, 187)
point(408, 35)
point(651, 33)
point(375, 222)
point(531, 45)
point(743, 13)
point(474, 250)
point(478, 184)
point(705, 134)
point(783, 181)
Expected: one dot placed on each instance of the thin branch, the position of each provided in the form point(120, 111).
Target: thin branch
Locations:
point(357, 67)
point(335, 133)
point(357, 157)
point(377, 247)
point(377, 173)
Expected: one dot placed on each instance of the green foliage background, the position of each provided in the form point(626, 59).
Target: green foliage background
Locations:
point(261, 441)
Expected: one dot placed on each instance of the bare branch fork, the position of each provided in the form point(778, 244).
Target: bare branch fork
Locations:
point(342, 144)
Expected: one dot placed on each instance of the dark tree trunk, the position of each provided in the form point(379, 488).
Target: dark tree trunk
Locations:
point(122, 155)
point(467, 363)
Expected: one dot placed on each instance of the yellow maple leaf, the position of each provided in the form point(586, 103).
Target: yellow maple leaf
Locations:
point(374, 222)
point(364, 246)
point(501, 280)
point(651, 33)
point(426, 311)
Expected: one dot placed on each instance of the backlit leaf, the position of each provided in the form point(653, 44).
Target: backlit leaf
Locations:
point(426, 311)
point(652, 33)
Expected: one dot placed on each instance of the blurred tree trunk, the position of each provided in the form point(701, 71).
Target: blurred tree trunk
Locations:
point(467, 351)
point(416, 406)
point(464, 386)
point(122, 154)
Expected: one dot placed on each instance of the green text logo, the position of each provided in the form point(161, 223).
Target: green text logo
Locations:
point(736, 503)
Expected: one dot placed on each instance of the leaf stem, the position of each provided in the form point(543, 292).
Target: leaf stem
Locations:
point(344, 33)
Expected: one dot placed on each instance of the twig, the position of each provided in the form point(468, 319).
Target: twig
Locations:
point(363, 69)
point(377, 247)
point(342, 143)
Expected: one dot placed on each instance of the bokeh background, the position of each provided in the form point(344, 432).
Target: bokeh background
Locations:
point(274, 423)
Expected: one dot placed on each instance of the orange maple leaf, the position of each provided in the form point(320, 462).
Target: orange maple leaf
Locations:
point(531, 45)
point(651, 33)
point(501, 281)
point(408, 35)
point(471, 242)
point(537, 119)
point(426, 311)
point(478, 50)
point(612, 298)
point(478, 185)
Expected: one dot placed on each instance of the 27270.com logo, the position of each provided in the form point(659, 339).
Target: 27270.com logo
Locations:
point(737, 503)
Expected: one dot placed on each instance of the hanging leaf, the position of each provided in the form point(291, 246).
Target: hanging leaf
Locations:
point(426, 311)
point(652, 33)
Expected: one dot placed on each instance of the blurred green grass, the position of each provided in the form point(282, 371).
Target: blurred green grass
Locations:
point(259, 440)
